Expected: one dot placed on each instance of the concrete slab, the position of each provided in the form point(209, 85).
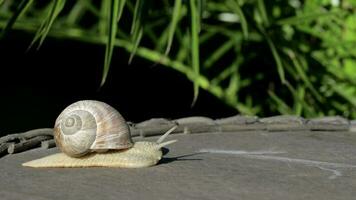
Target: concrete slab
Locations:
point(244, 165)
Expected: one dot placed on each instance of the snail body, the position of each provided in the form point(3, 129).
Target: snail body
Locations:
point(93, 134)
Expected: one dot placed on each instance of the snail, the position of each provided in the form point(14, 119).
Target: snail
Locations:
point(93, 134)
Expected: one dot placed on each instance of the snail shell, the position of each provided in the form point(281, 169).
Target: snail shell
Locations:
point(87, 126)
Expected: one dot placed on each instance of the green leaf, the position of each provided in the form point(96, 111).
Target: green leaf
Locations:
point(81, 8)
point(195, 24)
point(309, 110)
point(232, 89)
point(206, 36)
point(137, 15)
point(263, 12)
point(122, 4)
point(42, 32)
point(231, 69)
point(235, 7)
point(104, 17)
point(277, 59)
point(184, 46)
point(110, 42)
point(344, 91)
point(137, 27)
point(305, 18)
point(201, 5)
point(137, 36)
point(302, 74)
point(20, 11)
point(275, 54)
point(76, 12)
point(280, 105)
point(298, 106)
point(176, 15)
point(220, 52)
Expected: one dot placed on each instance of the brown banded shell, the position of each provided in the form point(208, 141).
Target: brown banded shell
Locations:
point(87, 126)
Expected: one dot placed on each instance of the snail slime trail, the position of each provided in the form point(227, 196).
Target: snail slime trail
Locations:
point(87, 129)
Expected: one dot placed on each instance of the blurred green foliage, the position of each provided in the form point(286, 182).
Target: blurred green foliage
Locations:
point(259, 57)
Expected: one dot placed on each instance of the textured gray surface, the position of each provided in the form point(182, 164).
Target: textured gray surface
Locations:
point(243, 165)
point(195, 125)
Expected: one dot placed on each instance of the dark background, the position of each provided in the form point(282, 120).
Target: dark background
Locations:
point(36, 85)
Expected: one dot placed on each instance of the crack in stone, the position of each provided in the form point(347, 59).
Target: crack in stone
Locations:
point(335, 172)
point(268, 155)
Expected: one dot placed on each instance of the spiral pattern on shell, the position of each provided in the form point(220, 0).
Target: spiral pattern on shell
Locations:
point(89, 125)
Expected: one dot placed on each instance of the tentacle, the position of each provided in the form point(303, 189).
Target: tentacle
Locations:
point(160, 145)
point(160, 140)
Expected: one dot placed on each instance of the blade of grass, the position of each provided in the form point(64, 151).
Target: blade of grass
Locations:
point(103, 19)
point(298, 106)
point(245, 110)
point(149, 29)
point(277, 59)
point(220, 52)
point(137, 36)
point(228, 71)
point(42, 32)
point(280, 105)
point(201, 5)
point(92, 8)
point(76, 13)
point(302, 74)
point(79, 9)
point(309, 110)
point(342, 91)
point(216, 7)
point(162, 40)
point(220, 29)
point(232, 89)
point(195, 24)
point(57, 8)
point(110, 42)
point(137, 27)
point(136, 15)
point(235, 7)
point(275, 54)
point(122, 4)
point(20, 11)
point(304, 18)
point(204, 37)
point(184, 46)
point(262, 9)
point(148, 54)
point(174, 21)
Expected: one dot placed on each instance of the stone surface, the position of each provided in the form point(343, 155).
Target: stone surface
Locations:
point(331, 123)
point(284, 123)
point(241, 165)
point(237, 119)
point(353, 125)
point(195, 124)
point(201, 124)
point(154, 126)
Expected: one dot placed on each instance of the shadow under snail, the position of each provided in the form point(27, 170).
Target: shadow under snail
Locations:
point(93, 134)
